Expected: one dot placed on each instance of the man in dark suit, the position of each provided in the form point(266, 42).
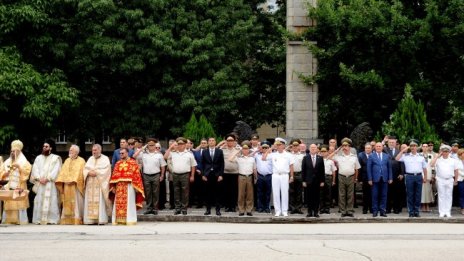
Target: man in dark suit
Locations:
point(212, 160)
point(197, 188)
point(366, 188)
point(313, 176)
point(379, 172)
point(396, 191)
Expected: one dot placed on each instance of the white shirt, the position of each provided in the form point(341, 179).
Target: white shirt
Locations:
point(347, 164)
point(445, 168)
point(298, 158)
point(264, 167)
point(329, 166)
point(152, 162)
point(246, 165)
point(460, 170)
point(182, 162)
point(281, 162)
point(413, 163)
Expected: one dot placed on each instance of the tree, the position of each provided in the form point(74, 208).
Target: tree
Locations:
point(410, 121)
point(30, 98)
point(142, 67)
point(368, 50)
point(197, 130)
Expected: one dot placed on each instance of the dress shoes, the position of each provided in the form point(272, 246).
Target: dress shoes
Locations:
point(416, 215)
point(383, 214)
point(411, 215)
point(349, 215)
point(155, 212)
point(375, 214)
point(260, 210)
point(343, 215)
point(184, 212)
point(249, 214)
point(316, 215)
point(218, 212)
point(396, 211)
point(208, 212)
point(364, 211)
point(176, 212)
point(148, 212)
point(310, 214)
point(269, 211)
point(241, 214)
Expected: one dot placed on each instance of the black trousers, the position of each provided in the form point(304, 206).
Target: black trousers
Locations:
point(312, 195)
point(396, 196)
point(213, 192)
point(230, 188)
point(367, 196)
point(197, 191)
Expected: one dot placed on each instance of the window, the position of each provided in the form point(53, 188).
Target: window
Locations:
point(61, 138)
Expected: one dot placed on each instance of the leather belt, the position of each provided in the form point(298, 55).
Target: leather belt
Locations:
point(152, 173)
point(413, 174)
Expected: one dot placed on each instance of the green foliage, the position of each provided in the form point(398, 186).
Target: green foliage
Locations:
point(368, 50)
point(29, 96)
point(142, 67)
point(410, 121)
point(197, 130)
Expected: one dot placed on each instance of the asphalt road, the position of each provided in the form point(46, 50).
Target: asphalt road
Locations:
point(224, 241)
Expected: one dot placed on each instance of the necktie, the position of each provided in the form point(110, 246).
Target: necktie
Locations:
point(314, 161)
point(380, 156)
point(211, 152)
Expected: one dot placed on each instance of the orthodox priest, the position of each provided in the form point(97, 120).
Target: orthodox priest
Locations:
point(16, 170)
point(44, 172)
point(70, 184)
point(126, 189)
point(97, 172)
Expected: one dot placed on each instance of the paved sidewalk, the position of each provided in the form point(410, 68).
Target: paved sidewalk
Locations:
point(196, 215)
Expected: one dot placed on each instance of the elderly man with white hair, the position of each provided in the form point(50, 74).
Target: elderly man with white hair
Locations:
point(97, 172)
point(282, 175)
point(70, 183)
point(446, 169)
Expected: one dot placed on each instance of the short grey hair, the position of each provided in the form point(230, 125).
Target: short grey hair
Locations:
point(98, 146)
point(76, 148)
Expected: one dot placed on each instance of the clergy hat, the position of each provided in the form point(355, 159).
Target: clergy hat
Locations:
point(17, 145)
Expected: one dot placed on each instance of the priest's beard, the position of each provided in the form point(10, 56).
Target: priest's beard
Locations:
point(46, 152)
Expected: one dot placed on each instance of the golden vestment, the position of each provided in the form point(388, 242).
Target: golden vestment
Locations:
point(17, 180)
point(70, 181)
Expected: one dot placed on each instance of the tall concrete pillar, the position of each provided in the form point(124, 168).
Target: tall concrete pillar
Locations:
point(301, 103)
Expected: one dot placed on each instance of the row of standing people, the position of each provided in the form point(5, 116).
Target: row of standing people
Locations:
point(73, 192)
